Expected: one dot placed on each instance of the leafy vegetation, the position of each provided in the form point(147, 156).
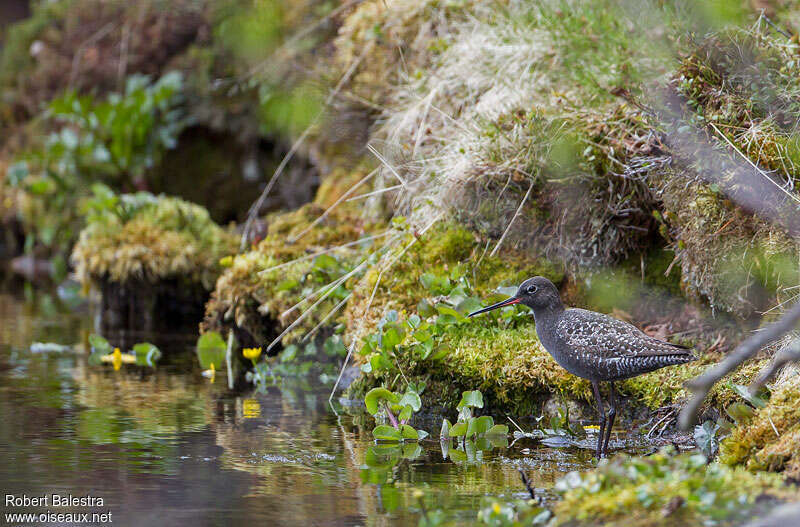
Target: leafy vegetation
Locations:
point(115, 142)
point(142, 354)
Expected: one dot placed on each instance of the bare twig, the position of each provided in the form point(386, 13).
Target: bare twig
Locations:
point(788, 354)
point(514, 217)
point(701, 385)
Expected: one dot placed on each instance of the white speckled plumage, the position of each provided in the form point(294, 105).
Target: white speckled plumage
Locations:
point(593, 345)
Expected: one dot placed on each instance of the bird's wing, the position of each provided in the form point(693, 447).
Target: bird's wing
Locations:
point(607, 337)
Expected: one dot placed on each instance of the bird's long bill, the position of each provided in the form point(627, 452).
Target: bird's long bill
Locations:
point(507, 302)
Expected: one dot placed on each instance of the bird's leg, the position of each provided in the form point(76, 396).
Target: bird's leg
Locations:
point(612, 413)
point(596, 387)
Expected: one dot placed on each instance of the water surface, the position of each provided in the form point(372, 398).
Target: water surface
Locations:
point(168, 447)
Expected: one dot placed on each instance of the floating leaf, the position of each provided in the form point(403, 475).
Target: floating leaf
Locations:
point(386, 433)
point(146, 354)
point(408, 432)
point(99, 344)
point(211, 349)
point(479, 425)
point(497, 430)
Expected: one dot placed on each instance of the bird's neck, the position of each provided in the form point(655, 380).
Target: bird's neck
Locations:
point(549, 313)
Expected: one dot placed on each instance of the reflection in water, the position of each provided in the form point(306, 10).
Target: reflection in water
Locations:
point(166, 447)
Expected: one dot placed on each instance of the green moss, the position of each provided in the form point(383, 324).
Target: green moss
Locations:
point(771, 440)
point(151, 238)
point(662, 489)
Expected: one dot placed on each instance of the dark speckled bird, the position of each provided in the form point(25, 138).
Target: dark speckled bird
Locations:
point(592, 345)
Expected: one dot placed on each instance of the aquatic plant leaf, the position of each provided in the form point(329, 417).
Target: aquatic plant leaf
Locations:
point(425, 309)
point(445, 432)
point(391, 337)
point(411, 398)
point(497, 430)
point(405, 412)
point(744, 392)
point(458, 429)
point(376, 396)
point(99, 344)
point(386, 433)
point(408, 432)
point(147, 354)
point(740, 412)
point(479, 425)
point(472, 399)
point(211, 349)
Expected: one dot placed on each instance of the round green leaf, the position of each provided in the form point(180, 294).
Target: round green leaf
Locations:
point(472, 399)
point(377, 395)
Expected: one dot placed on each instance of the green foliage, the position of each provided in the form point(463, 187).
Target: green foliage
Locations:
point(115, 141)
point(211, 349)
point(469, 427)
point(142, 354)
point(151, 238)
point(398, 408)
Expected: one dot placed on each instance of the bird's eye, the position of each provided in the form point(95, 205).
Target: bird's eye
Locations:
point(531, 289)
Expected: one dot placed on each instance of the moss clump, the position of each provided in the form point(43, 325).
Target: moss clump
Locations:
point(771, 440)
point(150, 238)
point(662, 489)
point(251, 300)
point(446, 249)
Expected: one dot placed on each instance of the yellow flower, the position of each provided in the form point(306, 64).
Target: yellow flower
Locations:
point(496, 508)
point(117, 361)
point(210, 373)
point(251, 409)
point(117, 358)
point(251, 353)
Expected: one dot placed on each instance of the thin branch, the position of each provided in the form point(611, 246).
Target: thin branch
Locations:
point(326, 251)
point(510, 223)
point(324, 215)
point(788, 354)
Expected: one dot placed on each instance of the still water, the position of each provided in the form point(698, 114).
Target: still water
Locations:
point(168, 447)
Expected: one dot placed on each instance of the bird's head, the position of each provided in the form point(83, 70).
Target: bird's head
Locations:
point(537, 293)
